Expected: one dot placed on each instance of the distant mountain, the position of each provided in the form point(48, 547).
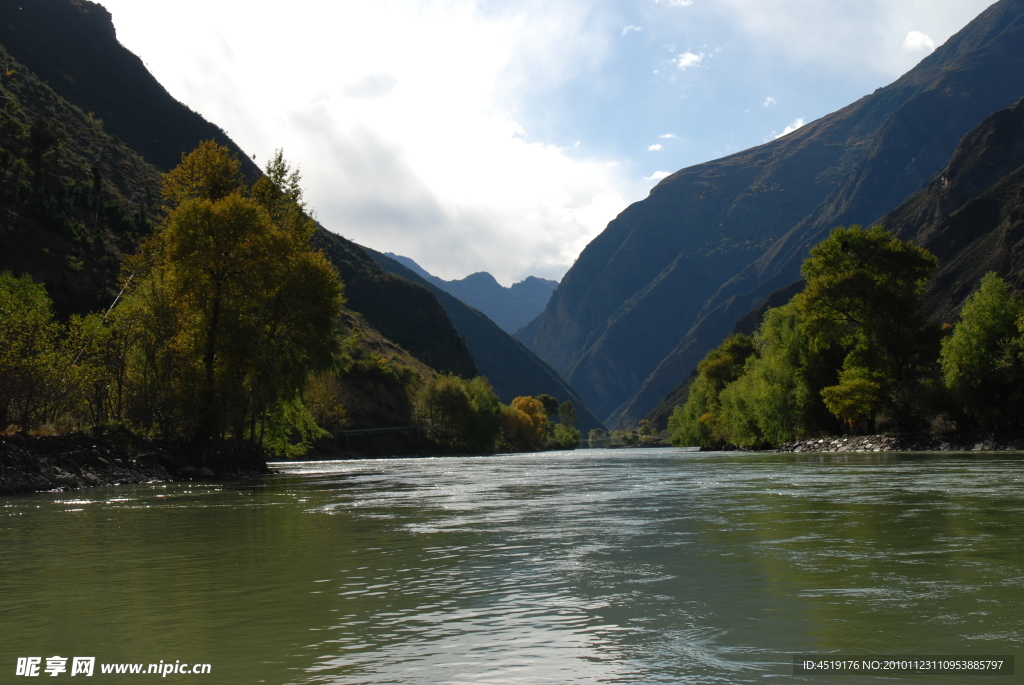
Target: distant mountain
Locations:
point(511, 308)
point(668, 278)
point(511, 367)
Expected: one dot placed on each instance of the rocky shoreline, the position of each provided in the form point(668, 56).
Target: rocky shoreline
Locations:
point(911, 442)
point(94, 458)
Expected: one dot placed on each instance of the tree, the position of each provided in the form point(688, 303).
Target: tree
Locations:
point(567, 413)
point(863, 295)
point(459, 415)
point(979, 367)
point(237, 309)
point(778, 397)
point(36, 382)
point(698, 421)
point(550, 404)
point(567, 436)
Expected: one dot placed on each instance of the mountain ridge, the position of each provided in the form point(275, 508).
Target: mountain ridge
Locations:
point(628, 322)
point(970, 215)
point(511, 308)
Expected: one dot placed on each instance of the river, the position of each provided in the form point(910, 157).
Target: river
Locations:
point(593, 566)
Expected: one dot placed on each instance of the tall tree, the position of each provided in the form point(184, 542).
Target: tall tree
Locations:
point(243, 307)
point(863, 295)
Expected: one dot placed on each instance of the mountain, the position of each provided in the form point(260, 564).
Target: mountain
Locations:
point(511, 367)
point(71, 46)
point(73, 199)
point(404, 312)
point(971, 214)
point(670, 276)
point(511, 308)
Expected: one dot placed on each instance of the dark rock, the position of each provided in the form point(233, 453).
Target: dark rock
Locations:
point(71, 461)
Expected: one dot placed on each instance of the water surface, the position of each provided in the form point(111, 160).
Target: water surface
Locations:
point(604, 566)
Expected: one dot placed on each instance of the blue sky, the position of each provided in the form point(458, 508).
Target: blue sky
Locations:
point(503, 135)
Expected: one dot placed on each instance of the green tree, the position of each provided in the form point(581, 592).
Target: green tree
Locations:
point(699, 420)
point(550, 404)
point(980, 369)
point(863, 295)
point(778, 396)
point(566, 437)
point(459, 415)
point(36, 380)
point(567, 413)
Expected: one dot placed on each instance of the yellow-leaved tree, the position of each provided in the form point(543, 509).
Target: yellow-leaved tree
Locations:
point(230, 307)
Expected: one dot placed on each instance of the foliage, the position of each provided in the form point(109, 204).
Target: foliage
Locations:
point(778, 397)
point(34, 382)
point(234, 306)
point(567, 413)
point(981, 365)
point(566, 437)
point(75, 199)
point(460, 415)
point(550, 404)
point(699, 421)
point(852, 346)
point(564, 434)
point(532, 423)
point(863, 295)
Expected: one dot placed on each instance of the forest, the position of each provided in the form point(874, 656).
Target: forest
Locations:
point(231, 325)
point(853, 353)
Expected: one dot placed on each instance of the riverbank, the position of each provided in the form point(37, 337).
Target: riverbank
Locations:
point(94, 458)
point(911, 442)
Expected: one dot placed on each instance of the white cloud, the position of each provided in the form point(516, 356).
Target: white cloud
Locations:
point(658, 175)
point(862, 36)
point(631, 29)
point(769, 101)
point(405, 145)
point(916, 41)
point(444, 129)
point(688, 59)
point(674, 3)
point(797, 123)
point(654, 148)
point(668, 135)
point(371, 86)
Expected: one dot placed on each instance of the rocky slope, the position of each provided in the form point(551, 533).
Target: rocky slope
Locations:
point(971, 214)
point(670, 276)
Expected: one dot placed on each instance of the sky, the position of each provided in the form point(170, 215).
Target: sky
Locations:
point(503, 136)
